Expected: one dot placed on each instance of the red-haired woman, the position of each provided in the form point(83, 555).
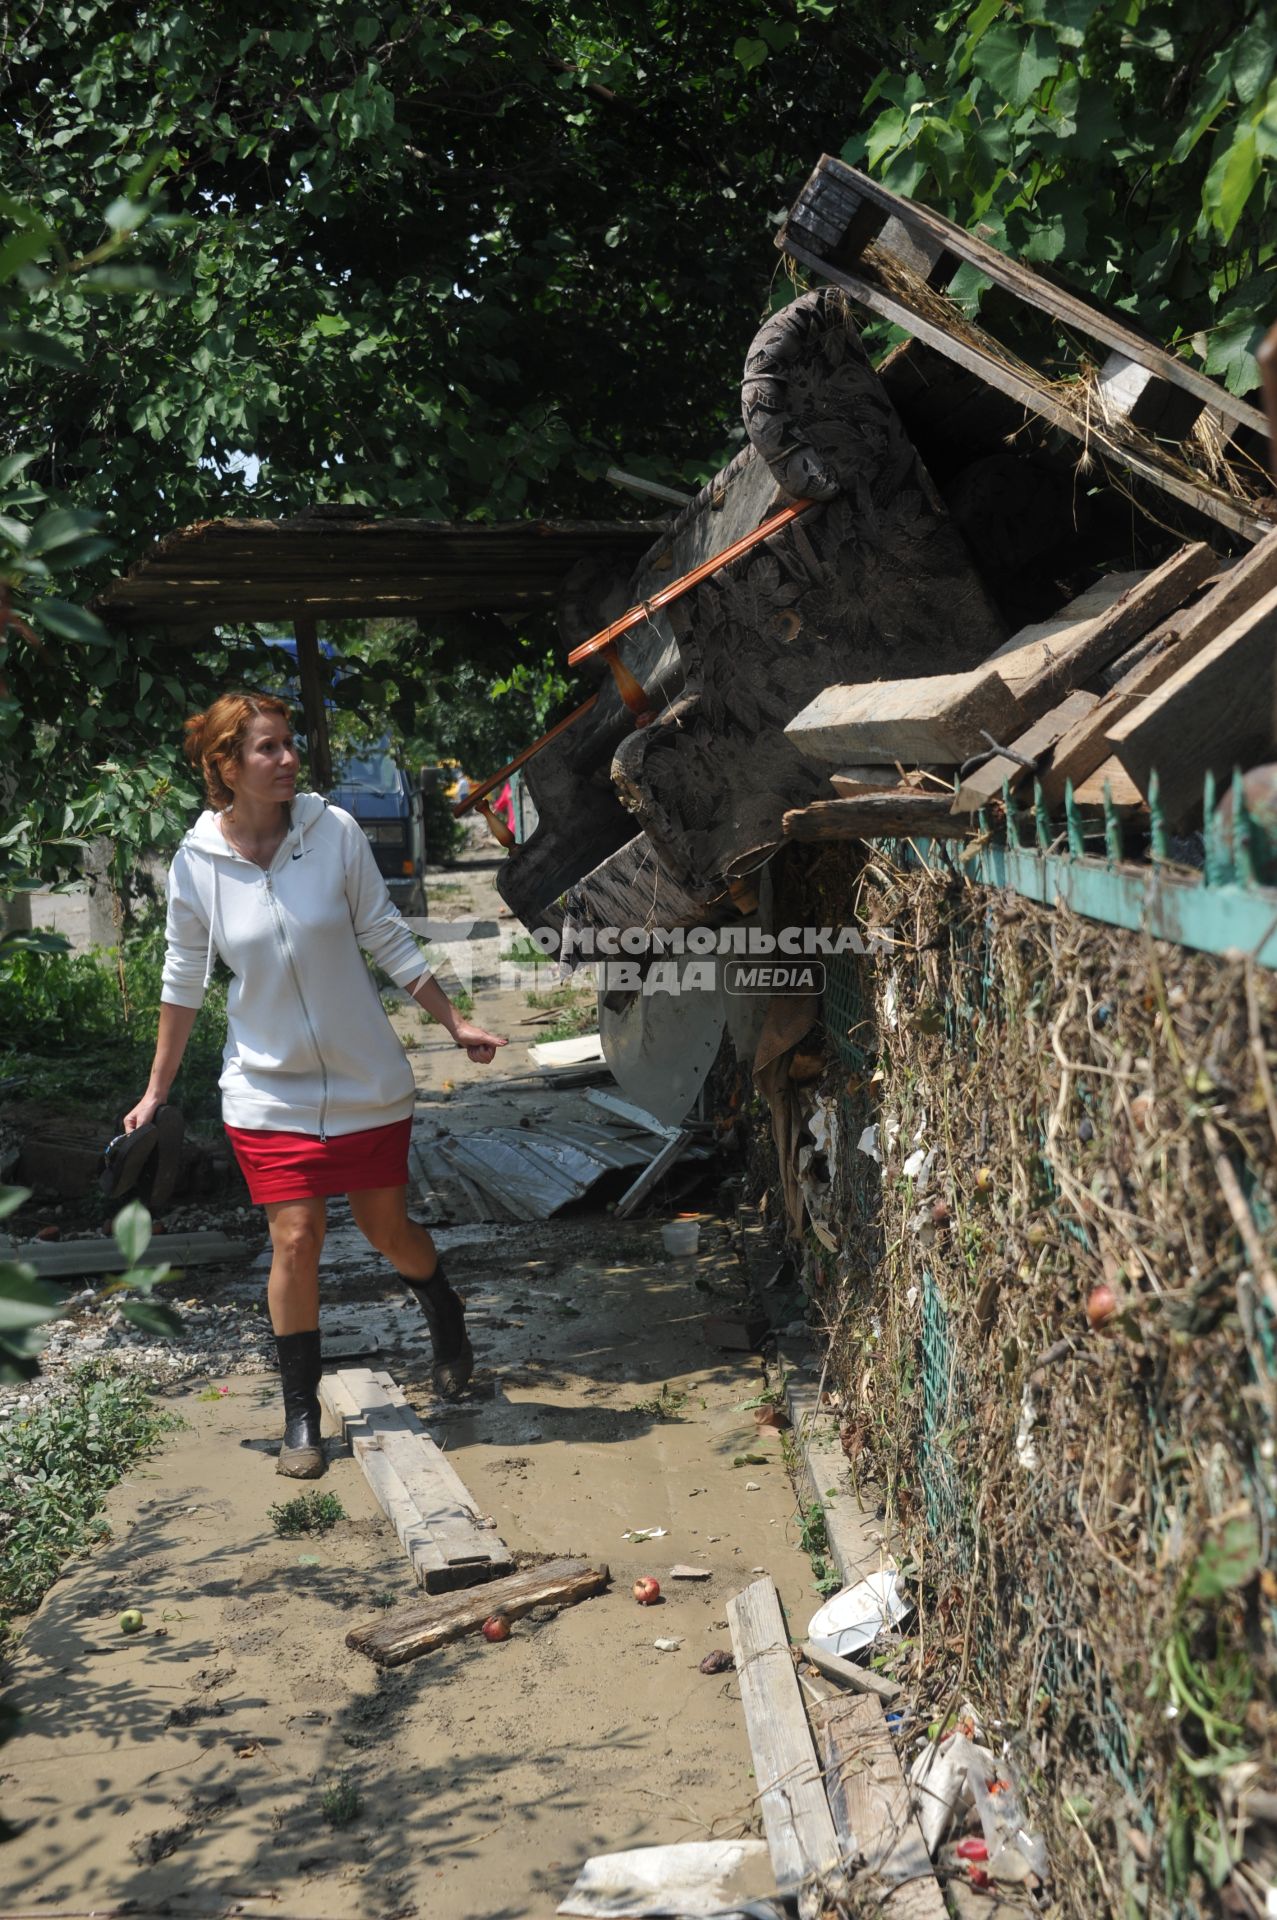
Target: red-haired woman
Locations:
point(317, 1093)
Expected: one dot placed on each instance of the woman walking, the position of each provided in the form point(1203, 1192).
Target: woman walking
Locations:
point(317, 1093)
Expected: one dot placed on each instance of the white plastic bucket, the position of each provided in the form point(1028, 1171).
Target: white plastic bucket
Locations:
point(681, 1237)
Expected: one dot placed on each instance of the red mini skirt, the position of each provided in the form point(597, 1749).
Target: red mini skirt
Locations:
point(301, 1166)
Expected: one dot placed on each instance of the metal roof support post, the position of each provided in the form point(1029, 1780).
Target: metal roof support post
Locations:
point(314, 713)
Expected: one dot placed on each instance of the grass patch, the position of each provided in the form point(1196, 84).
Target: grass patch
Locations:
point(577, 1010)
point(524, 952)
point(668, 1404)
point(813, 1538)
point(342, 1802)
point(56, 1467)
point(308, 1513)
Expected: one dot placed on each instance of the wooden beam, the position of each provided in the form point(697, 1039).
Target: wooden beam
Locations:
point(416, 1486)
point(1044, 642)
point(848, 1674)
point(796, 1817)
point(1038, 682)
point(1147, 401)
point(874, 816)
point(1215, 712)
point(314, 712)
point(413, 1630)
point(934, 720)
point(870, 1801)
point(986, 783)
point(1154, 660)
point(1122, 790)
point(1035, 394)
point(836, 193)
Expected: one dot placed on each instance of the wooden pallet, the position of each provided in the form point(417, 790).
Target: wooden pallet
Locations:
point(440, 1528)
point(889, 253)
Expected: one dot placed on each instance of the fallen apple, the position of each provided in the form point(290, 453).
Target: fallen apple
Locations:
point(131, 1621)
point(496, 1627)
point(646, 1590)
point(1101, 1304)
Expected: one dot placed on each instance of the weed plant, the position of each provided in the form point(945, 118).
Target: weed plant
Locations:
point(342, 1802)
point(308, 1513)
point(82, 1025)
point(57, 1465)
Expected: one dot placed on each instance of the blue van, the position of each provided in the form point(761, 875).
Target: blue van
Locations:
point(372, 786)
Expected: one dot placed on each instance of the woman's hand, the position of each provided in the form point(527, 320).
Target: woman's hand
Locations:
point(480, 1045)
point(143, 1113)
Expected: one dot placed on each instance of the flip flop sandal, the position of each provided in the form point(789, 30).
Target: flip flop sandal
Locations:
point(123, 1160)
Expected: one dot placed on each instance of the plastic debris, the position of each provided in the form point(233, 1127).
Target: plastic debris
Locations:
point(1015, 1852)
point(667, 1646)
point(854, 1618)
point(639, 1534)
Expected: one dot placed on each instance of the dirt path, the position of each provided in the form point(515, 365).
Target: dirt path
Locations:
point(192, 1766)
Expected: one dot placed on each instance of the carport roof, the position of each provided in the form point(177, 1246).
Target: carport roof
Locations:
point(337, 563)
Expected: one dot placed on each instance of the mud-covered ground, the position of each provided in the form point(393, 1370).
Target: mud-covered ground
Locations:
point(209, 1760)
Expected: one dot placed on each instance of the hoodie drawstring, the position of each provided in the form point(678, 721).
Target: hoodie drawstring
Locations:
point(212, 931)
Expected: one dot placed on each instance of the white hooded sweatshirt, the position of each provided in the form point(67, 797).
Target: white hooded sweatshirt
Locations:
point(309, 1047)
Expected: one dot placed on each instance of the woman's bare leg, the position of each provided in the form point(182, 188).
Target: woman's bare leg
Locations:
point(381, 1214)
point(297, 1240)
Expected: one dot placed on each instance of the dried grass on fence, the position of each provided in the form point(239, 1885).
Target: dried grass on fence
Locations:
point(1092, 1511)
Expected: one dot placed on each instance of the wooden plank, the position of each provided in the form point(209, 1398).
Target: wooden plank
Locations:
point(1156, 658)
point(985, 784)
point(848, 1674)
point(1216, 711)
point(850, 782)
point(1130, 617)
point(1081, 315)
point(414, 1630)
point(1026, 653)
point(449, 1543)
point(1034, 394)
point(796, 1818)
point(873, 815)
point(934, 720)
point(1128, 391)
point(653, 1172)
point(869, 1796)
point(1122, 790)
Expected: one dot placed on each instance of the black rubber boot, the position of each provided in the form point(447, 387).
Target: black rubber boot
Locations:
point(446, 1318)
point(300, 1365)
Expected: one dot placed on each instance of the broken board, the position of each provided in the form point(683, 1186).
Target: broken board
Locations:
point(1219, 705)
point(413, 1630)
point(869, 1799)
point(416, 1486)
point(796, 1818)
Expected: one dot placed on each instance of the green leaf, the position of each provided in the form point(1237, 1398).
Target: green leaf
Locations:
point(978, 24)
point(132, 1231)
point(13, 466)
point(750, 53)
point(331, 323)
point(25, 1301)
point(100, 282)
point(39, 346)
point(1252, 58)
point(70, 622)
point(1227, 1559)
point(1230, 182)
point(152, 1316)
point(11, 1199)
point(59, 527)
point(17, 251)
point(126, 216)
point(1016, 60)
point(1231, 352)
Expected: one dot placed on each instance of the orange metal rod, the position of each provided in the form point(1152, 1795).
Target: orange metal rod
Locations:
point(689, 580)
point(486, 787)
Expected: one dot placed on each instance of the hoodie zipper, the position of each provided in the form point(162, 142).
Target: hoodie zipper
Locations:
point(287, 946)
